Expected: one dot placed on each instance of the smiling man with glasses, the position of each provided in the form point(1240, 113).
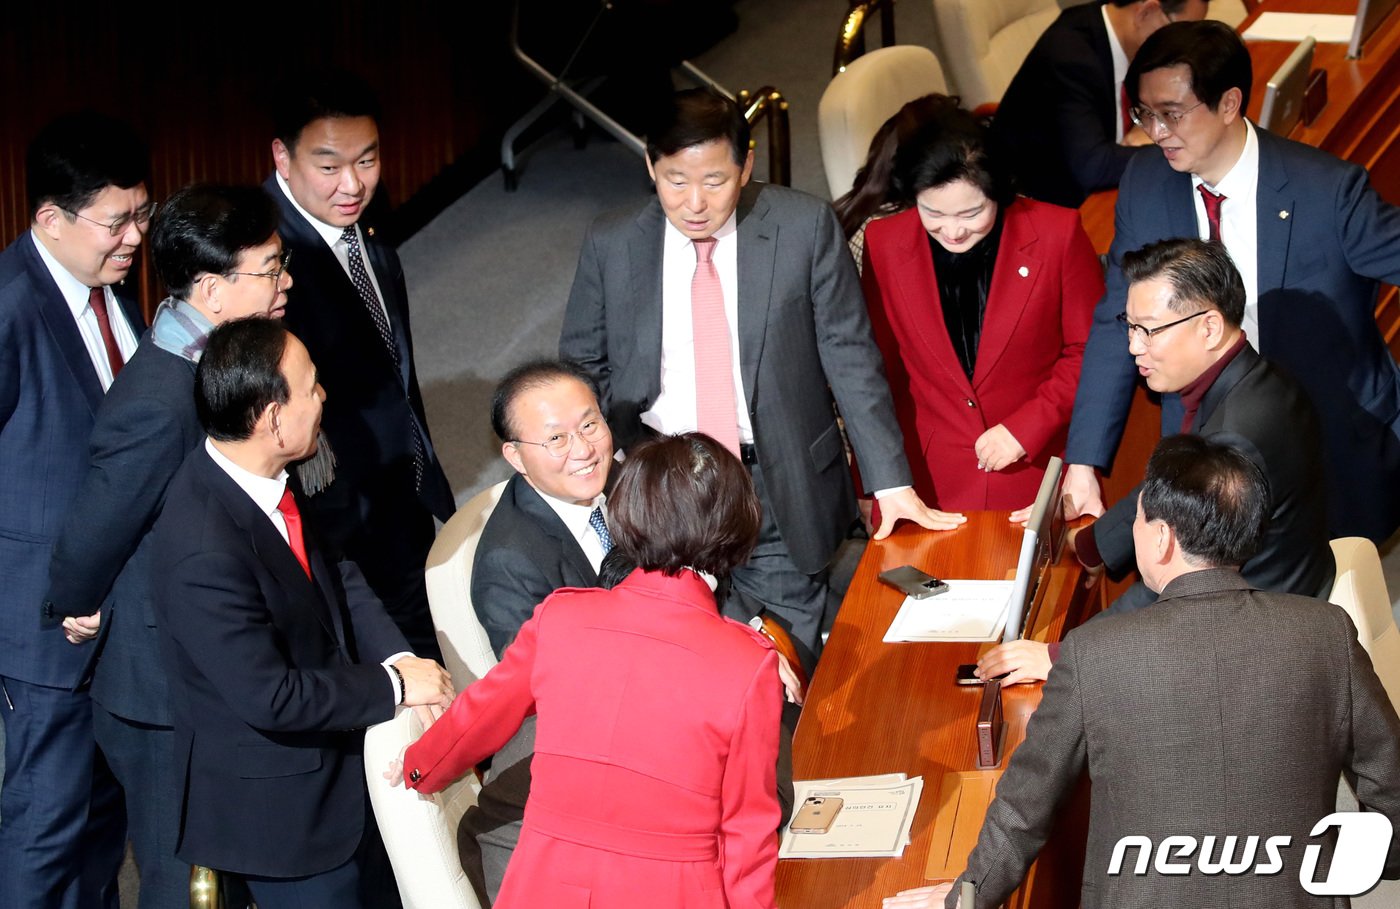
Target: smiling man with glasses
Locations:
point(1311, 240)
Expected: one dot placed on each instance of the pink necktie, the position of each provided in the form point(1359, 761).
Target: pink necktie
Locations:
point(97, 299)
point(1212, 201)
point(715, 408)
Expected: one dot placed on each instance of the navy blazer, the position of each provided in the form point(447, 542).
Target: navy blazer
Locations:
point(145, 428)
point(49, 396)
point(1325, 240)
point(273, 675)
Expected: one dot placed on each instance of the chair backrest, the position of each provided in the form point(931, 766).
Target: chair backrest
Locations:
point(466, 651)
point(1360, 590)
point(419, 835)
point(984, 42)
point(858, 101)
point(1231, 12)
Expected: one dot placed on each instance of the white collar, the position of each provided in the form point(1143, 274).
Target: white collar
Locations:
point(1243, 177)
point(575, 516)
point(329, 232)
point(266, 492)
point(675, 240)
point(1115, 50)
point(75, 293)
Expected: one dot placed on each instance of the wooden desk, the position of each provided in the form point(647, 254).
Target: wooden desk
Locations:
point(882, 708)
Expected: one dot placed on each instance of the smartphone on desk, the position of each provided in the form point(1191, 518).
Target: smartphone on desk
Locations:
point(967, 675)
point(817, 814)
point(912, 582)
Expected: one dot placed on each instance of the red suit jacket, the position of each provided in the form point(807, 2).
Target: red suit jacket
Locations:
point(1045, 284)
point(653, 779)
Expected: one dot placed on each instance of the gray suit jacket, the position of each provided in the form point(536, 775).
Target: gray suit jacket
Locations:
point(804, 339)
point(1219, 711)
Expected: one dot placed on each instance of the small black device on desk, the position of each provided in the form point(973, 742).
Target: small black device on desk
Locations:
point(911, 581)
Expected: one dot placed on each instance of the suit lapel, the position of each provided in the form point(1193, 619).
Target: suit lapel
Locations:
point(1016, 273)
point(920, 307)
point(1179, 203)
point(1272, 199)
point(1224, 383)
point(537, 510)
point(758, 243)
point(58, 319)
point(645, 249)
point(395, 307)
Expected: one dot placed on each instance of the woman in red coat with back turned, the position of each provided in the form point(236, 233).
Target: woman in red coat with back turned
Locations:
point(653, 783)
point(981, 303)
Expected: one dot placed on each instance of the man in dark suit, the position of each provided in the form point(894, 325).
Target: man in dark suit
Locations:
point(350, 307)
point(218, 253)
point(276, 659)
point(1222, 711)
point(1185, 304)
point(1311, 240)
point(735, 310)
point(65, 332)
point(1063, 123)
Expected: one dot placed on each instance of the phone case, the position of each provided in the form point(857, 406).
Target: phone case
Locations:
point(816, 815)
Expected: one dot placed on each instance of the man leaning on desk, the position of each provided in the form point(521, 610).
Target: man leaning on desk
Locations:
point(1222, 711)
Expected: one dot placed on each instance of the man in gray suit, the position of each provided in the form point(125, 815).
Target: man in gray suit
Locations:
point(735, 310)
point(1222, 711)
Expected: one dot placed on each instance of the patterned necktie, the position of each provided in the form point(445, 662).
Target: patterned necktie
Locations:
point(97, 299)
point(359, 276)
point(600, 527)
point(716, 408)
point(1212, 201)
point(292, 516)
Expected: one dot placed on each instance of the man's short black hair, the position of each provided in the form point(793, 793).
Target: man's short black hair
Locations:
point(74, 158)
point(1211, 50)
point(694, 117)
point(1213, 497)
point(1202, 276)
point(240, 374)
point(523, 378)
point(951, 145)
point(1169, 7)
point(684, 502)
point(204, 228)
point(312, 97)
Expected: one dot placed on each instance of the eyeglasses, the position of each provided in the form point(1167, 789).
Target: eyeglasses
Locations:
point(1148, 118)
point(141, 217)
point(1145, 334)
point(276, 276)
point(561, 443)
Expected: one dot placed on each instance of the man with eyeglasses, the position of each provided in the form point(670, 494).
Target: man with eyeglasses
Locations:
point(1063, 123)
point(1184, 311)
point(66, 329)
point(1311, 240)
point(350, 308)
point(218, 253)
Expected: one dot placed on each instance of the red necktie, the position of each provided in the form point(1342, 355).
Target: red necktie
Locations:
point(716, 410)
point(1212, 201)
point(292, 515)
point(97, 299)
point(1123, 108)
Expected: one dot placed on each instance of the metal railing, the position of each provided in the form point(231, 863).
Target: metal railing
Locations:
point(769, 104)
point(850, 44)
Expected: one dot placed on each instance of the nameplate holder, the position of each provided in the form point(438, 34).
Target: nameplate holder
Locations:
point(991, 727)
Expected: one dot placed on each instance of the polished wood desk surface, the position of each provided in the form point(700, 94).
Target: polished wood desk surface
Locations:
point(884, 708)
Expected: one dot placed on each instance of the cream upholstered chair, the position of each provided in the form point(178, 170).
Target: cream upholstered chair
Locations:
point(984, 42)
point(858, 101)
point(419, 835)
point(466, 651)
point(1231, 12)
point(1360, 590)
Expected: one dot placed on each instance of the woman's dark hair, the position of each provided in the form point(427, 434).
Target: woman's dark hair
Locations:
point(204, 229)
point(239, 374)
point(951, 145)
point(872, 185)
point(684, 502)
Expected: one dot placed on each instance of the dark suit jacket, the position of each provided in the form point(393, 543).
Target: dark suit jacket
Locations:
point(1057, 121)
point(145, 429)
point(1219, 711)
point(49, 395)
point(1045, 283)
point(371, 405)
point(802, 327)
point(272, 676)
point(1318, 269)
point(1263, 412)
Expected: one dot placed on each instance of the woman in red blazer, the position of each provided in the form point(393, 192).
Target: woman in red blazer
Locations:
point(653, 781)
point(981, 304)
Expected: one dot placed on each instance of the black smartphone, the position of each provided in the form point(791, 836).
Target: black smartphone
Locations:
point(967, 674)
point(913, 582)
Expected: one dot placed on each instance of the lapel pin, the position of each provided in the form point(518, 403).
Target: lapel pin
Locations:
point(1283, 216)
point(370, 230)
point(1023, 271)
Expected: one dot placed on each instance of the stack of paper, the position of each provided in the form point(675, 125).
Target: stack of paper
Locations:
point(874, 820)
point(968, 611)
point(1297, 26)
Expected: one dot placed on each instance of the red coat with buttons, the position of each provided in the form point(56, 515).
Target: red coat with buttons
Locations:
point(1045, 284)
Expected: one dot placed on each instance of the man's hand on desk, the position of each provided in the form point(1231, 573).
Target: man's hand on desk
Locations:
point(919, 897)
point(1020, 661)
point(792, 688)
point(1092, 573)
point(905, 504)
point(1081, 492)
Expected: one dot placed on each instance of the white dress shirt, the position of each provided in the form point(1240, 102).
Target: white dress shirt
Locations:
point(1239, 224)
point(334, 239)
point(75, 294)
point(1120, 73)
point(674, 411)
point(575, 518)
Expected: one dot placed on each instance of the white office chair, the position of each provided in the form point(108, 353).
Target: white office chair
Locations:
point(466, 651)
point(419, 835)
point(1360, 590)
point(984, 42)
point(857, 103)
